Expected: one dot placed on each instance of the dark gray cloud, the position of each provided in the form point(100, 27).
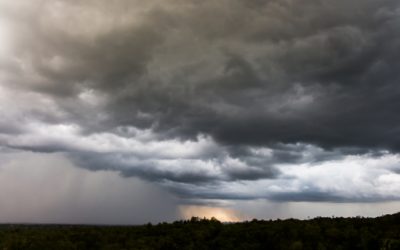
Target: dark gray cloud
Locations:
point(253, 74)
point(316, 196)
point(213, 93)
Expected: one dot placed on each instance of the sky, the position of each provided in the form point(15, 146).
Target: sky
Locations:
point(128, 111)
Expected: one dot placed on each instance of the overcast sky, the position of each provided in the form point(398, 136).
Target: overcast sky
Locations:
point(132, 111)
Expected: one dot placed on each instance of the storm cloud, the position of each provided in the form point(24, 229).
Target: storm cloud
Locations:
point(212, 100)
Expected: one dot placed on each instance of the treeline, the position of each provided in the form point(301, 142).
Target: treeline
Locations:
point(319, 233)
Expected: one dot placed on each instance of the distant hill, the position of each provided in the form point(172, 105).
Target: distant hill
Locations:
point(382, 233)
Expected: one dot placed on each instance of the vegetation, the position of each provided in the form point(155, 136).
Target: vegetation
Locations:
point(319, 233)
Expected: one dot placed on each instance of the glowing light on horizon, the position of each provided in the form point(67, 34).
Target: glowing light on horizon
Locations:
point(220, 213)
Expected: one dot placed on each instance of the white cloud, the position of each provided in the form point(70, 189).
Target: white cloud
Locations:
point(204, 165)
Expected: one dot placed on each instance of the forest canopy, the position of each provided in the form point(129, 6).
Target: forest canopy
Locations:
point(196, 233)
